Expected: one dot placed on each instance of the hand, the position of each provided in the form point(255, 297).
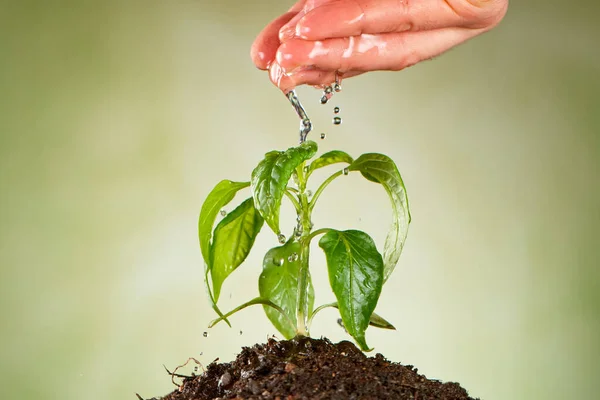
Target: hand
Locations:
point(317, 39)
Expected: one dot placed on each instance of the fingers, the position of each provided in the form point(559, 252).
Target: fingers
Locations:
point(390, 51)
point(266, 43)
point(304, 76)
point(345, 18)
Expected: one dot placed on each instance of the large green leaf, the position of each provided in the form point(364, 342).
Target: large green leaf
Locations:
point(381, 169)
point(233, 239)
point(271, 176)
point(278, 282)
point(331, 157)
point(356, 277)
point(219, 197)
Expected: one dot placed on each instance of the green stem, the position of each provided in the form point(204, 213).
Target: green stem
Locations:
point(321, 188)
point(302, 307)
point(293, 199)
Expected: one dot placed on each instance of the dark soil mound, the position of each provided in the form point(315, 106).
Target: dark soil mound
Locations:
point(305, 368)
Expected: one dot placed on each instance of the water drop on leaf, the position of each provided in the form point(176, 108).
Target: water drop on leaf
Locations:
point(281, 238)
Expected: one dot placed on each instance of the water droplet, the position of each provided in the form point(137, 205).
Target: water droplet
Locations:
point(281, 238)
point(337, 120)
point(309, 193)
point(341, 323)
point(328, 89)
point(306, 169)
point(324, 99)
point(293, 257)
point(278, 262)
point(241, 332)
point(346, 171)
point(205, 334)
point(223, 213)
point(323, 136)
point(337, 87)
point(336, 110)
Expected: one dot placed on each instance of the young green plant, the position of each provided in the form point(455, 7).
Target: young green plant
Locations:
point(357, 271)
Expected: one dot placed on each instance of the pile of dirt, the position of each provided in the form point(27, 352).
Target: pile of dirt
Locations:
point(312, 369)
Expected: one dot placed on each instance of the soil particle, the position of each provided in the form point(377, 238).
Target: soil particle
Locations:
point(312, 369)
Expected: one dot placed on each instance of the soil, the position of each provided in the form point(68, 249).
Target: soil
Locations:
point(305, 368)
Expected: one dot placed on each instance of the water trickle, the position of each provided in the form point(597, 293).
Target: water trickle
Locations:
point(205, 334)
point(345, 171)
point(323, 136)
point(223, 213)
point(305, 124)
point(281, 238)
point(336, 110)
point(337, 120)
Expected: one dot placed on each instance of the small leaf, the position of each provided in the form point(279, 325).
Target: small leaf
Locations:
point(375, 320)
point(278, 282)
point(331, 157)
point(271, 176)
point(234, 237)
point(218, 198)
point(381, 169)
point(356, 277)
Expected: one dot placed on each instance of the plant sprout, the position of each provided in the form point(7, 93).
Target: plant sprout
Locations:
point(357, 271)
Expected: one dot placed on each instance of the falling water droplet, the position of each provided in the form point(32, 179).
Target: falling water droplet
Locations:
point(337, 87)
point(346, 171)
point(223, 213)
point(323, 136)
point(328, 89)
point(281, 238)
point(336, 110)
point(309, 193)
point(306, 169)
point(337, 120)
point(241, 332)
point(205, 334)
point(324, 99)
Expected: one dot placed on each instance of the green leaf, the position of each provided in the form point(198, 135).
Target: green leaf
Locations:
point(331, 157)
point(233, 239)
point(356, 277)
point(381, 169)
point(270, 178)
point(375, 320)
point(278, 282)
point(218, 198)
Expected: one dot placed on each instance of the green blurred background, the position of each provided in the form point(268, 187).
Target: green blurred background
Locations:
point(117, 118)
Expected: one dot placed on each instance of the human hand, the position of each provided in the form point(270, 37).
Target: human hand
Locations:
point(317, 41)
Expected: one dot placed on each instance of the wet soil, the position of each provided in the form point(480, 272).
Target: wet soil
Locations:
point(305, 368)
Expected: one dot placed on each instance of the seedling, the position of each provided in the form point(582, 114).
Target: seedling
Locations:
point(357, 271)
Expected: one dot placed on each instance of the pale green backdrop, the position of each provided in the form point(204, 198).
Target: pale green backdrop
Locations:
point(117, 118)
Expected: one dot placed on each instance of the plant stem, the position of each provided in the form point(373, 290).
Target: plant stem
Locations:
point(321, 188)
point(304, 223)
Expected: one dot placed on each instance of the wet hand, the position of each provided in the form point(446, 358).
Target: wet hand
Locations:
point(317, 39)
